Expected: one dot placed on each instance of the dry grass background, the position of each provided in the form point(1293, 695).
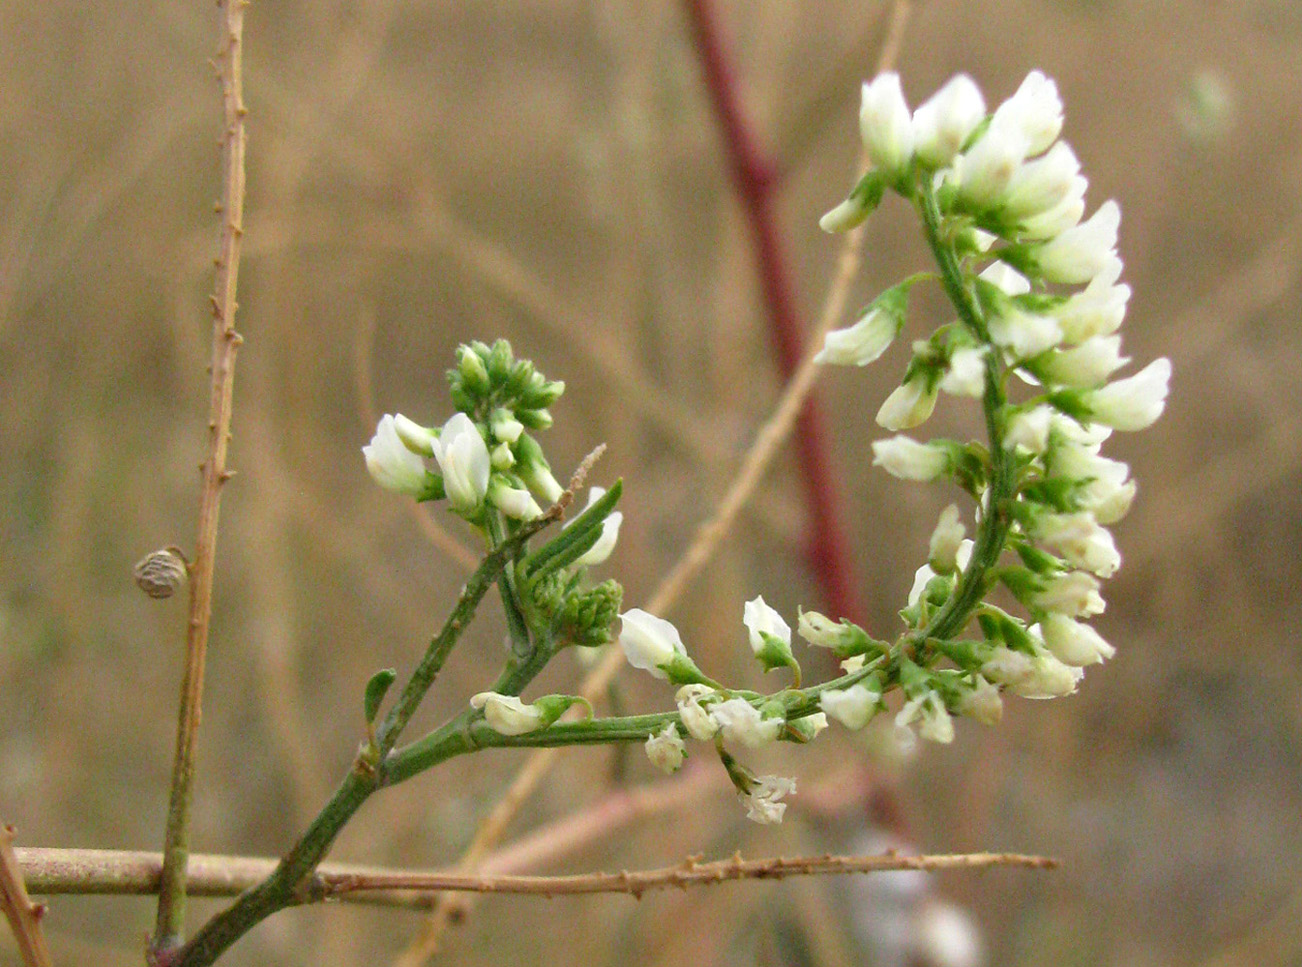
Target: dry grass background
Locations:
point(426, 173)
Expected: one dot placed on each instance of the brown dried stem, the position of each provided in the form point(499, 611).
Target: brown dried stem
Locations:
point(51, 871)
point(170, 922)
point(24, 916)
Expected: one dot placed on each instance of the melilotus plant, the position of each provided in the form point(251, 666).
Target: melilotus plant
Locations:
point(1037, 303)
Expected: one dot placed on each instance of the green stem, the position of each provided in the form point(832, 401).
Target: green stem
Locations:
point(285, 886)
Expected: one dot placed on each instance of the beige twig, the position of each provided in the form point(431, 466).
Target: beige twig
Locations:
point(24, 916)
point(703, 547)
point(55, 871)
point(225, 342)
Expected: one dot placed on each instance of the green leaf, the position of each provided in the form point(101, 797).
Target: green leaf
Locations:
point(576, 539)
point(376, 689)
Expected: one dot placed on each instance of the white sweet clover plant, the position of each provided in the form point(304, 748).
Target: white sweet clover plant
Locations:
point(1038, 303)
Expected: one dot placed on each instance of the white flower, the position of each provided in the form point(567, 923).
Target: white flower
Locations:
point(1105, 490)
point(1082, 252)
point(885, 124)
point(1081, 540)
point(1035, 112)
point(515, 502)
point(849, 214)
point(808, 727)
point(1024, 334)
point(1039, 676)
point(984, 171)
point(908, 459)
point(1088, 364)
point(416, 438)
point(1029, 429)
point(946, 539)
point(601, 550)
point(909, 405)
point(1075, 594)
point(505, 426)
point(1062, 216)
point(1135, 402)
point(966, 374)
point(936, 725)
point(1098, 310)
point(1073, 643)
point(463, 458)
point(666, 750)
point(860, 344)
point(1041, 185)
point(506, 714)
point(1006, 278)
point(819, 629)
point(922, 577)
point(760, 620)
point(853, 707)
point(947, 119)
point(696, 719)
point(739, 721)
point(982, 702)
point(390, 463)
point(762, 801)
point(649, 642)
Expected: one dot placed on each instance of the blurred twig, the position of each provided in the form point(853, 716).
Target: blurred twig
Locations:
point(702, 548)
point(56, 871)
point(170, 923)
point(24, 916)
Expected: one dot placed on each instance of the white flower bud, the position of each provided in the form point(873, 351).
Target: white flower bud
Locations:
point(946, 539)
point(1041, 185)
point(515, 502)
point(506, 714)
point(1088, 364)
point(1039, 676)
point(605, 545)
point(1024, 334)
point(982, 702)
point(1029, 429)
point(1073, 643)
point(1135, 402)
point(966, 374)
point(666, 750)
point(908, 459)
point(885, 124)
point(1106, 492)
point(853, 707)
point(860, 344)
point(760, 619)
point(849, 214)
point(1082, 252)
point(985, 170)
point(1075, 594)
point(1098, 310)
point(696, 719)
point(909, 405)
point(822, 631)
point(763, 803)
point(922, 577)
point(936, 724)
point(1081, 540)
point(505, 426)
point(463, 458)
point(741, 722)
point(1035, 111)
point(501, 457)
point(649, 642)
point(1006, 278)
point(416, 438)
point(390, 463)
point(947, 119)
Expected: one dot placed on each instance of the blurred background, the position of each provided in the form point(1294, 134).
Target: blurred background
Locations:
point(550, 171)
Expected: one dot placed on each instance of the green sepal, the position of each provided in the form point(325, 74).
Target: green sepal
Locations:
point(553, 707)
point(576, 539)
point(433, 489)
point(376, 689)
point(681, 670)
point(1060, 494)
point(776, 653)
point(1038, 560)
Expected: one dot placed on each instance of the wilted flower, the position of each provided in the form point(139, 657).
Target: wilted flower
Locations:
point(666, 750)
point(853, 707)
point(695, 718)
point(935, 725)
point(741, 722)
point(763, 800)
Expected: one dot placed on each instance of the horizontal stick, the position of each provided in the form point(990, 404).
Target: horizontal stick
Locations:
point(88, 871)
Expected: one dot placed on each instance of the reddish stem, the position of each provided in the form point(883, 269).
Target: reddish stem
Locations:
point(755, 177)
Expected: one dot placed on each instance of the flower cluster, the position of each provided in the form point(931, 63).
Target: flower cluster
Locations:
point(1038, 297)
point(1039, 301)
